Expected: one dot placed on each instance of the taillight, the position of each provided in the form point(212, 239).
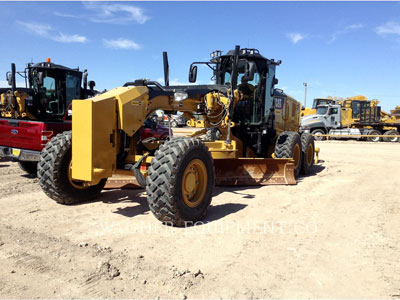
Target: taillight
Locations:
point(46, 136)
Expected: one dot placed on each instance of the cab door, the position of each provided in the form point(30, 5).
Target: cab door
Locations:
point(281, 114)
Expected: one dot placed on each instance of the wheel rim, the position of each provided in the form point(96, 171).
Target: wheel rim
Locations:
point(374, 139)
point(310, 152)
point(318, 136)
point(194, 183)
point(296, 155)
point(76, 184)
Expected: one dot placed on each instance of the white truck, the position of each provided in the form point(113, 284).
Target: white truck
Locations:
point(350, 122)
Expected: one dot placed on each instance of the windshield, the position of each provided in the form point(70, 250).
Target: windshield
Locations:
point(321, 102)
point(56, 90)
point(73, 88)
point(321, 110)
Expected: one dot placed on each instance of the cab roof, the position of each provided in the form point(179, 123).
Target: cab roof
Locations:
point(46, 65)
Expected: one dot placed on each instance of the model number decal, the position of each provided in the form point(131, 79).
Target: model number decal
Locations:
point(279, 103)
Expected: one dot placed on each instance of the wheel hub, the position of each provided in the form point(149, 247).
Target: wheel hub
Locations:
point(194, 183)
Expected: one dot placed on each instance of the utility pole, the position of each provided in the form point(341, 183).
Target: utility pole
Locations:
point(305, 94)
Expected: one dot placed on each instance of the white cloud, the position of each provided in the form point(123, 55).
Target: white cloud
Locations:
point(46, 31)
point(345, 30)
point(116, 13)
point(388, 28)
point(295, 37)
point(60, 14)
point(121, 44)
point(74, 38)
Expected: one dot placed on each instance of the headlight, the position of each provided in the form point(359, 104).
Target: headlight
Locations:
point(180, 96)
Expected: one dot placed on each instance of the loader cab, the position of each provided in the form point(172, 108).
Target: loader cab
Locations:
point(55, 86)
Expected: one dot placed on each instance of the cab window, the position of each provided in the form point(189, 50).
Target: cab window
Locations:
point(321, 110)
point(73, 88)
point(333, 111)
point(251, 106)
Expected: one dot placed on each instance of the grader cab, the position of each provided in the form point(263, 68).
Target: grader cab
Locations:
point(257, 142)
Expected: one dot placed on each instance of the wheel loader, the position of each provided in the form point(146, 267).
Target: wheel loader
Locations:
point(259, 143)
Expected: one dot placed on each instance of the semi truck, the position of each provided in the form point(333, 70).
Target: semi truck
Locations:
point(352, 119)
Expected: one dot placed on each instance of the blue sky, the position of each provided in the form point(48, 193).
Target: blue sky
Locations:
point(339, 48)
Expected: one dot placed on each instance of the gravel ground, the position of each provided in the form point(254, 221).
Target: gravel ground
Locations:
point(333, 235)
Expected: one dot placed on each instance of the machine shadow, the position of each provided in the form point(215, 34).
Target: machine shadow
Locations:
point(316, 169)
point(138, 197)
point(127, 196)
point(29, 176)
point(216, 212)
point(219, 189)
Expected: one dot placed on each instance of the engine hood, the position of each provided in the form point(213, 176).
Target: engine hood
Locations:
point(309, 120)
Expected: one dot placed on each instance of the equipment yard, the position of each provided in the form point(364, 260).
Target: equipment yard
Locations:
point(333, 235)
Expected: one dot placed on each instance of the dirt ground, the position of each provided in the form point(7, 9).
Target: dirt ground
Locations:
point(333, 235)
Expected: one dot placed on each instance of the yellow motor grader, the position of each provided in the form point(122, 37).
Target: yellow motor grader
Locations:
point(258, 143)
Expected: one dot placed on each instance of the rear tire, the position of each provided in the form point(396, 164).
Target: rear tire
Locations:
point(308, 149)
point(53, 173)
point(180, 181)
point(318, 133)
point(29, 167)
point(374, 139)
point(391, 139)
point(288, 145)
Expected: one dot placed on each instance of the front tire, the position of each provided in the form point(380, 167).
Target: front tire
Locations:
point(29, 167)
point(288, 145)
point(180, 181)
point(54, 173)
point(318, 134)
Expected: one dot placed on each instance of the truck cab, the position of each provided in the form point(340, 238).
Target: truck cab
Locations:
point(327, 117)
point(317, 102)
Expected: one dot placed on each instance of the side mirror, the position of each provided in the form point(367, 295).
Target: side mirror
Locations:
point(249, 71)
point(193, 74)
point(40, 78)
point(92, 84)
point(85, 76)
point(9, 78)
point(275, 80)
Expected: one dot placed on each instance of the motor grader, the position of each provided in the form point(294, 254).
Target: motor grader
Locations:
point(258, 143)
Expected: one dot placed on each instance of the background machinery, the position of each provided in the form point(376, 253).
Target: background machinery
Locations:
point(30, 116)
point(352, 118)
point(179, 174)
